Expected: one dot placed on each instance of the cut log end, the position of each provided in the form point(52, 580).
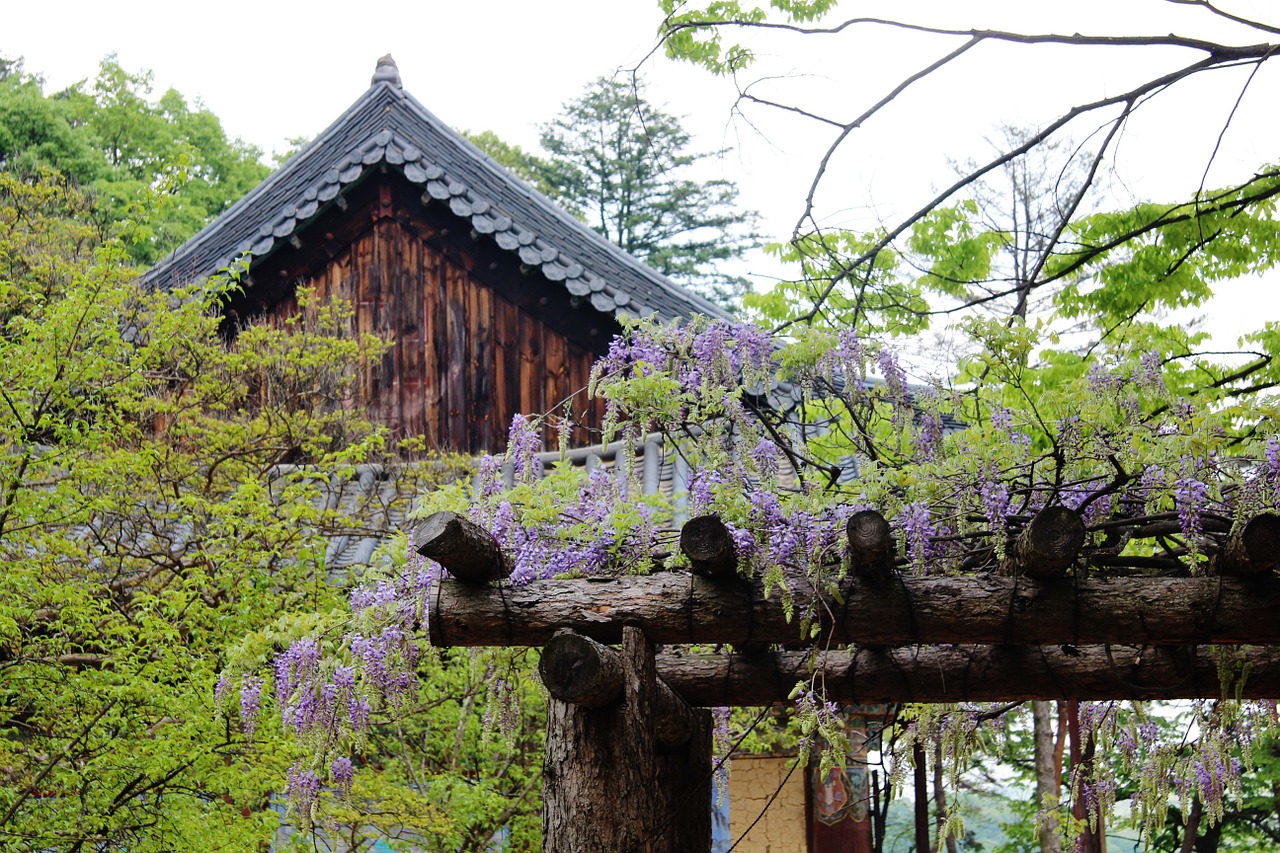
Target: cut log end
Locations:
point(871, 546)
point(1254, 549)
point(708, 544)
point(464, 548)
point(581, 671)
point(1048, 545)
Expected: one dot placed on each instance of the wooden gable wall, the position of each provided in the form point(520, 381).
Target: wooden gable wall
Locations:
point(475, 339)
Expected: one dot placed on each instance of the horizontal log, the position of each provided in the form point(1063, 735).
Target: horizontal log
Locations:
point(938, 674)
point(680, 608)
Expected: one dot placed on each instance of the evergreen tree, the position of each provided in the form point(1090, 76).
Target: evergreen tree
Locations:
point(624, 166)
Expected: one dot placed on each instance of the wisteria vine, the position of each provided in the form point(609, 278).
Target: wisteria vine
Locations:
point(784, 443)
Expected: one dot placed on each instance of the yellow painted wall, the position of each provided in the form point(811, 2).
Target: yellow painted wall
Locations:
point(752, 782)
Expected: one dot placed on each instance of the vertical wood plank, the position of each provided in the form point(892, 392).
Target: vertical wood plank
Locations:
point(434, 347)
point(532, 374)
point(455, 391)
point(412, 375)
point(480, 367)
point(556, 381)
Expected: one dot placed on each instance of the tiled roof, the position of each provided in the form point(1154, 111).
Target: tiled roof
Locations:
point(387, 125)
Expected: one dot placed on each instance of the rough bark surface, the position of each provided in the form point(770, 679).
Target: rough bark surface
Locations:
point(599, 790)
point(678, 608)
point(975, 674)
point(463, 547)
point(707, 543)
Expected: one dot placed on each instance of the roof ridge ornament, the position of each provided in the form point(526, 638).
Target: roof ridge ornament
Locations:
point(386, 72)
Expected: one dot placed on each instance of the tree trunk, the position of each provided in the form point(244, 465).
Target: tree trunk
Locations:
point(1090, 840)
point(1048, 782)
point(678, 608)
point(966, 673)
point(923, 844)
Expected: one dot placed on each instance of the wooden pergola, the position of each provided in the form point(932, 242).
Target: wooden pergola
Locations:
point(628, 756)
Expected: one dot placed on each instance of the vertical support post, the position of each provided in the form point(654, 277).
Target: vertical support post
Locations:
point(685, 789)
point(609, 786)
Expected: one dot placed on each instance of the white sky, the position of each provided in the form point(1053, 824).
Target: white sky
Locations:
point(274, 70)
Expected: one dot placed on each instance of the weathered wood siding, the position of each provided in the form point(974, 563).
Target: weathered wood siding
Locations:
point(466, 357)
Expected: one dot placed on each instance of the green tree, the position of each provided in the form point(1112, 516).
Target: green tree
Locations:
point(163, 495)
point(530, 168)
point(114, 141)
point(624, 166)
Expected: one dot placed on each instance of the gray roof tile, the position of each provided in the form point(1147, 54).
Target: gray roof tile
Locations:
point(388, 126)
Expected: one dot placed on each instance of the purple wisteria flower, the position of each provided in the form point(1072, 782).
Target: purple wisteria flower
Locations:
point(1191, 496)
point(895, 378)
point(1271, 472)
point(523, 444)
point(993, 496)
point(917, 526)
point(303, 789)
point(343, 773)
point(928, 436)
point(1149, 373)
point(222, 692)
point(250, 703)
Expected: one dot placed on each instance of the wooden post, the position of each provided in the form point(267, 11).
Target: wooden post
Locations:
point(607, 784)
point(685, 789)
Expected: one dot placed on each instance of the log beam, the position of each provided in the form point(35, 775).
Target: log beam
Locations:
point(679, 608)
point(463, 547)
point(937, 674)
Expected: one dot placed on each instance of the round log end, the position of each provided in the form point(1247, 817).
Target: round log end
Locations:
point(708, 544)
point(1050, 543)
point(580, 671)
point(1255, 549)
point(871, 545)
